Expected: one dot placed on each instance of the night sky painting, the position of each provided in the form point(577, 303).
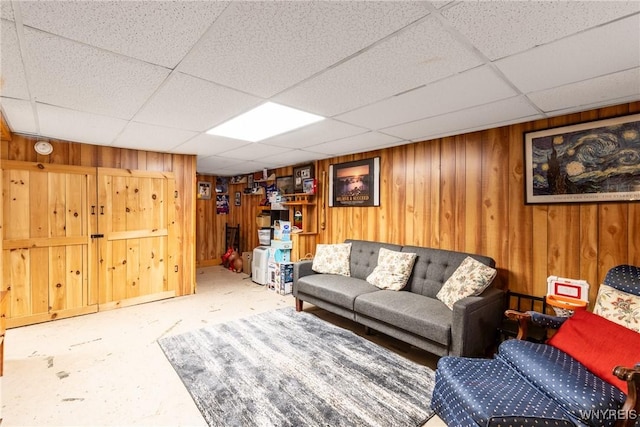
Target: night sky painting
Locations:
point(586, 163)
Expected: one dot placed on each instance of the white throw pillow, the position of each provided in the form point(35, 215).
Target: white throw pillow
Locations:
point(470, 278)
point(393, 269)
point(332, 259)
point(620, 307)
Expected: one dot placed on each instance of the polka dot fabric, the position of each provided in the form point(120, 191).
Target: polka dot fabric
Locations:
point(477, 392)
point(625, 278)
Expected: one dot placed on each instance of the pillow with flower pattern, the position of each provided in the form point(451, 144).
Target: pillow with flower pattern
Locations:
point(470, 279)
point(393, 269)
point(620, 307)
point(332, 259)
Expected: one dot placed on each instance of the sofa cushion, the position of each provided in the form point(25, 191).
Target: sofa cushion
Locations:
point(423, 316)
point(490, 393)
point(599, 344)
point(561, 377)
point(340, 290)
point(393, 269)
point(470, 279)
point(434, 266)
point(364, 256)
point(620, 307)
point(332, 259)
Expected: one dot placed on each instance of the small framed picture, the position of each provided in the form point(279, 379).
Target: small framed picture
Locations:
point(300, 173)
point(237, 200)
point(204, 190)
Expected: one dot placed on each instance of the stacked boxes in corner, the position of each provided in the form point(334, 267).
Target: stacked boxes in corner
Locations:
point(280, 267)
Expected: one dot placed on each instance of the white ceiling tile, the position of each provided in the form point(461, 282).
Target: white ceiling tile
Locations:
point(143, 136)
point(19, 115)
point(294, 157)
point(253, 151)
point(601, 90)
point(421, 54)
point(240, 168)
point(354, 144)
point(14, 82)
point(70, 125)
point(159, 32)
point(290, 41)
point(80, 77)
point(501, 28)
point(6, 10)
point(206, 145)
point(213, 164)
point(484, 116)
point(473, 87)
point(567, 61)
point(192, 103)
point(322, 131)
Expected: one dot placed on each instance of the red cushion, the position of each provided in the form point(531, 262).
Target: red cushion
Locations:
point(599, 344)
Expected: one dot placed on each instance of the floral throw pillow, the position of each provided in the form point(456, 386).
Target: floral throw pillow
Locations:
point(332, 259)
point(620, 307)
point(393, 269)
point(470, 278)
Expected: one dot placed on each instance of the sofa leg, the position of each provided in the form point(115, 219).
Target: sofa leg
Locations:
point(367, 330)
point(299, 303)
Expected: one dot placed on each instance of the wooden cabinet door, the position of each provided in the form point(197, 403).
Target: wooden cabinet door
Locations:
point(46, 241)
point(136, 217)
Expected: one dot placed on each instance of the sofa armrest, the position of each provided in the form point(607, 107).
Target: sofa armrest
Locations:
point(301, 269)
point(475, 323)
point(631, 407)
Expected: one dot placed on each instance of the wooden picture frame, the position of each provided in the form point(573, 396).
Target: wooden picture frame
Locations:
point(204, 190)
point(300, 173)
point(597, 161)
point(355, 184)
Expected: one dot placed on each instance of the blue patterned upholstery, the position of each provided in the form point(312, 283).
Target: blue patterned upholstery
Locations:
point(564, 379)
point(530, 384)
point(625, 278)
point(478, 392)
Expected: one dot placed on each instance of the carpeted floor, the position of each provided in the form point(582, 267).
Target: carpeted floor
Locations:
point(283, 368)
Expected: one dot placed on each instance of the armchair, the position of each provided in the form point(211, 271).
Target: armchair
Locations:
point(588, 374)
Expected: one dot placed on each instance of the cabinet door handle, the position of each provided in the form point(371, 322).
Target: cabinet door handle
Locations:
point(101, 210)
point(93, 210)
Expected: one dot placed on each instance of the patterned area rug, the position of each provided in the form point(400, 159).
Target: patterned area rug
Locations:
point(283, 368)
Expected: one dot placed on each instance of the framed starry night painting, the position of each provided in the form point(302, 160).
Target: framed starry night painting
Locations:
point(589, 162)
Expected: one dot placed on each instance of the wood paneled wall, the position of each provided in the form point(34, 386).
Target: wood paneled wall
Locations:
point(466, 193)
point(19, 147)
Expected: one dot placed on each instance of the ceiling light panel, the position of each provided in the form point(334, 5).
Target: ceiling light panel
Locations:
point(159, 32)
point(291, 40)
point(263, 122)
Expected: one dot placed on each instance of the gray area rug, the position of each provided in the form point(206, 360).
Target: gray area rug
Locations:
point(283, 368)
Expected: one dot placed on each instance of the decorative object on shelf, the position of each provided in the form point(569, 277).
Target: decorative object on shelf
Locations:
point(284, 184)
point(43, 147)
point(309, 186)
point(590, 162)
point(300, 173)
point(240, 179)
point(238, 200)
point(222, 204)
point(355, 184)
point(204, 190)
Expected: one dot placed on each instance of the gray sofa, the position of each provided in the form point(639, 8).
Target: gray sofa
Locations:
point(414, 314)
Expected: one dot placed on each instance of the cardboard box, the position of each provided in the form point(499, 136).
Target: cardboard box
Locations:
point(281, 277)
point(263, 221)
point(279, 255)
point(282, 244)
point(282, 230)
point(247, 258)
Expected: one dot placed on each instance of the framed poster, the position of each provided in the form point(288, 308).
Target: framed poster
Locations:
point(222, 204)
point(238, 198)
point(284, 184)
point(204, 190)
point(355, 183)
point(589, 162)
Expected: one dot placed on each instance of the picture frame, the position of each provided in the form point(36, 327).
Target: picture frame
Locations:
point(300, 173)
point(597, 161)
point(284, 184)
point(355, 184)
point(222, 204)
point(222, 185)
point(204, 190)
point(238, 199)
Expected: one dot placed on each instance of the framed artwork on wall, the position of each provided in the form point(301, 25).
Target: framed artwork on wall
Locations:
point(204, 190)
point(597, 161)
point(355, 184)
point(284, 184)
point(300, 173)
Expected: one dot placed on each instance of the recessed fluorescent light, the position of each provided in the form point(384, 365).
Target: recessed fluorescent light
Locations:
point(265, 121)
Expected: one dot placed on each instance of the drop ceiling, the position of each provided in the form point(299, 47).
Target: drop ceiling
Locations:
point(155, 75)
